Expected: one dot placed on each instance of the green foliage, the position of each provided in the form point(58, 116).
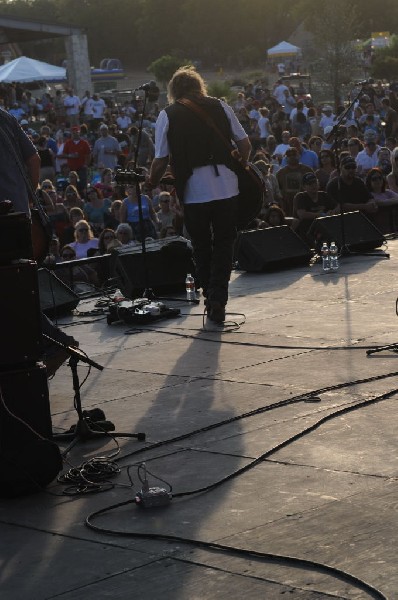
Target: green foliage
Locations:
point(385, 68)
point(220, 89)
point(231, 33)
point(164, 67)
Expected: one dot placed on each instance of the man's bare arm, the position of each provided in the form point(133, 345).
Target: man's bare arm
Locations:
point(33, 168)
point(158, 168)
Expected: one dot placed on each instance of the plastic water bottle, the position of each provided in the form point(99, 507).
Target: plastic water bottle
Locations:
point(325, 253)
point(190, 287)
point(334, 256)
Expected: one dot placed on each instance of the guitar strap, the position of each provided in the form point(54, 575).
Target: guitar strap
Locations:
point(209, 121)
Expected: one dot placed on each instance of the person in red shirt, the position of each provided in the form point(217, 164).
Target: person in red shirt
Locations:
point(77, 151)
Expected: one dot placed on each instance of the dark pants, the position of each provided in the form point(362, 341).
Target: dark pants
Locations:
point(212, 228)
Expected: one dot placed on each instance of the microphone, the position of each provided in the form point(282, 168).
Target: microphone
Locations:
point(365, 81)
point(145, 87)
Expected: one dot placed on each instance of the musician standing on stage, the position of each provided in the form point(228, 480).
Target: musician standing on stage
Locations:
point(205, 180)
point(12, 186)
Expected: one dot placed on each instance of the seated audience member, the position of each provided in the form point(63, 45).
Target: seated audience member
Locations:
point(315, 144)
point(84, 239)
point(95, 209)
point(164, 214)
point(105, 184)
point(327, 165)
point(392, 177)
point(349, 190)
point(290, 179)
point(124, 234)
point(384, 160)
point(75, 276)
point(106, 237)
point(72, 198)
point(112, 219)
point(274, 216)
point(376, 184)
point(354, 146)
point(272, 193)
point(74, 179)
point(68, 233)
point(306, 157)
point(310, 204)
point(367, 158)
point(167, 232)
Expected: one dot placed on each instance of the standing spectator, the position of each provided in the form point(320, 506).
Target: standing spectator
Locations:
point(47, 169)
point(78, 153)
point(129, 213)
point(106, 149)
point(98, 108)
point(279, 92)
point(328, 118)
point(124, 120)
point(87, 108)
point(147, 148)
point(72, 107)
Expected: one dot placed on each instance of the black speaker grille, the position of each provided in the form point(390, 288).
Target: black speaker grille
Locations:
point(271, 249)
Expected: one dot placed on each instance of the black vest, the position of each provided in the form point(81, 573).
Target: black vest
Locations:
point(193, 143)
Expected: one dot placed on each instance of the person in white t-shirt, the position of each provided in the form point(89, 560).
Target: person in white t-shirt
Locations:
point(84, 239)
point(72, 108)
point(98, 108)
point(279, 92)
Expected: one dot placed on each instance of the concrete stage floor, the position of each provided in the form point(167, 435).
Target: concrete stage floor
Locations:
point(330, 496)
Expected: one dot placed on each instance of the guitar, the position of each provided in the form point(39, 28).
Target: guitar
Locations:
point(251, 194)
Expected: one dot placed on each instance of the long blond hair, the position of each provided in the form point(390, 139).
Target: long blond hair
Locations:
point(86, 224)
point(186, 81)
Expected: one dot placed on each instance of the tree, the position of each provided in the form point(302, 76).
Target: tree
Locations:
point(333, 28)
point(164, 67)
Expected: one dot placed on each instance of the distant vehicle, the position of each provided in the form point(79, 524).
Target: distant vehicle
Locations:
point(299, 81)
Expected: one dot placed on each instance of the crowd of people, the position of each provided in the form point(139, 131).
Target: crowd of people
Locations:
point(311, 153)
point(308, 164)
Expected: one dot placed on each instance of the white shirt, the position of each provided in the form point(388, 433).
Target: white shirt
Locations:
point(72, 105)
point(366, 161)
point(98, 108)
point(204, 185)
point(279, 93)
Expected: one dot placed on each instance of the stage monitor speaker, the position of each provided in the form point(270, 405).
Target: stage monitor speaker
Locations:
point(15, 237)
point(27, 461)
point(56, 298)
point(20, 317)
point(271, 249)
point(166, 269)
point(360, 233)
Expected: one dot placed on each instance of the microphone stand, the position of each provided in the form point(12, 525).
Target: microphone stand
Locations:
point(334, 134)
point(148, 292)
point(86, 428)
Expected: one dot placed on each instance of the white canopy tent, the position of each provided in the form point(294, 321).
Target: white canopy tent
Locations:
point(283, 50)
point(25, 69)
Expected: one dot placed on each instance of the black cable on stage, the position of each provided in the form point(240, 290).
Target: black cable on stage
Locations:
point(289, 441)
point(305, 397)
point(292, 561)
point(269, 557)
point(233, 330)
